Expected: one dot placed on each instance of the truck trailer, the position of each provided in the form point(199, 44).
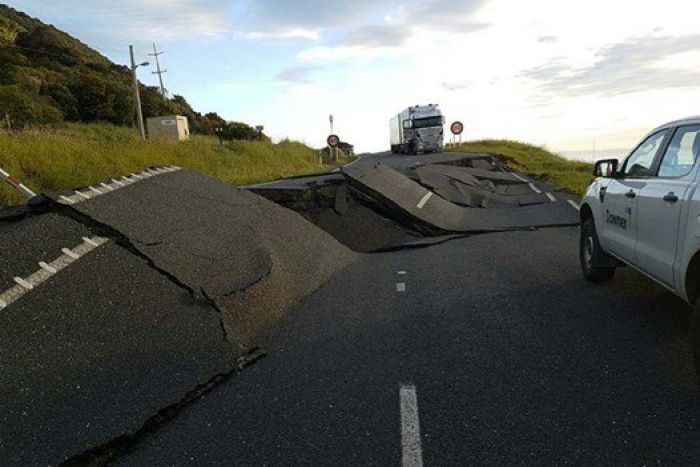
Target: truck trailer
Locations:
point(417, 129)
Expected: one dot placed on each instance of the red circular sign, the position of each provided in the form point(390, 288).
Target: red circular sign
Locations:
point(333, 141)
point(457, 128)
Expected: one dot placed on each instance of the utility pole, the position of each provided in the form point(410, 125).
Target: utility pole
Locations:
point(158, 71)
point(137, 94)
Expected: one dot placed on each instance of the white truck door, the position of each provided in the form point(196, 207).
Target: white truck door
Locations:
point(660, 202)
point(619, 224)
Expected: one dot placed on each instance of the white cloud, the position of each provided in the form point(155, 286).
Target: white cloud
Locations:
point(157, 19)
point(634, 65)
point(281, 34)
point(548, 71)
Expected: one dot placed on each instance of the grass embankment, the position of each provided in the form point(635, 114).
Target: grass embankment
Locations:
point(79, 155)
point(535, 161)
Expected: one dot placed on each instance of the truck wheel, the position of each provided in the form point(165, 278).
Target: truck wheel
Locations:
point(695, 335)
point(589, 252)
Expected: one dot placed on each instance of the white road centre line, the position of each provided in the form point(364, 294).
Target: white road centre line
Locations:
point(519, 177)
point(400, 287)
point(424, 200)
point(27, 284)
point(551, 197)
point(411, 451)
point(534, 188)
point(574, 205)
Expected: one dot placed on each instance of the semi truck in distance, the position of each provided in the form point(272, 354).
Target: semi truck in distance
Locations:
point(417, 129)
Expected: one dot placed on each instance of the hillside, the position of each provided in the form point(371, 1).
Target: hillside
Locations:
point(78, 155)
point(538, 162)
point(48, 76)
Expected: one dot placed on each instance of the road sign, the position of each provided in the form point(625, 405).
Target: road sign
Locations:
point(333, 141)
point(457, 128)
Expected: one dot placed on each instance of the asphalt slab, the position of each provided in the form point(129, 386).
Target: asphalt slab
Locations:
point(94, 351)
point(515, 359)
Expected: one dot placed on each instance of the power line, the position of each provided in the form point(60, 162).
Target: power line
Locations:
point(159, 72)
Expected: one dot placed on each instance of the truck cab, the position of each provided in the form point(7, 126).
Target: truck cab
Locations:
point(418, 129)
point(645, 213)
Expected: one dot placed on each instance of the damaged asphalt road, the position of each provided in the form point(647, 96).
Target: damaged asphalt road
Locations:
point(515, 360)
point(134, 353)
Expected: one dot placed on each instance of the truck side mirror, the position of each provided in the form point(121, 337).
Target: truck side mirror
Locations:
point(606, 168)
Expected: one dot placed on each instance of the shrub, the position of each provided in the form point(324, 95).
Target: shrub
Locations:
point(25, 109)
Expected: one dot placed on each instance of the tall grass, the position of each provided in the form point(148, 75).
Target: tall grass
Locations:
point(535, 161)
point(79, 155)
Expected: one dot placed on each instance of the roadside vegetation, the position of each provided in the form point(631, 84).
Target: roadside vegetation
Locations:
point(78, 155)
point(535, 161)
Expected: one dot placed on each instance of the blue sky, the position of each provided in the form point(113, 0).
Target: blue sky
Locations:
point(559, 73)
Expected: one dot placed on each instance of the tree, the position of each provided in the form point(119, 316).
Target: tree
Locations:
point(103, 100)
point(25, 109)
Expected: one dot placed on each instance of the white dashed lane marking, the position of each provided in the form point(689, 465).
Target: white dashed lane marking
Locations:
point(411, 451)
point(400, 287)
point(27, 284)
point(519, 177)
point(551, 197)
point(22, 283)
point(424, 200)
point(574, 205)
point(93, 192)
point(534, 188)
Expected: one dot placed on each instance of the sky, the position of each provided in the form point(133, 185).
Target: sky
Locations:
point(569, 75)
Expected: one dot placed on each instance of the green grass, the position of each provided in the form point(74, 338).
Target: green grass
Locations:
point(535, 161)
point(78, 155)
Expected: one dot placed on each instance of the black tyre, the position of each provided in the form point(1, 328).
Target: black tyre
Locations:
point(590, 255)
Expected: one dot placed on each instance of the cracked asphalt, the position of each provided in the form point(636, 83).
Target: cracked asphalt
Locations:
point(514, 358)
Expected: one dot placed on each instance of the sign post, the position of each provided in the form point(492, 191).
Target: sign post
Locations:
point(330, 148)
point(457, 128)
point(333, 143)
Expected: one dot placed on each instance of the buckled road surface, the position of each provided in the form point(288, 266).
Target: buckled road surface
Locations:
point(483, 347)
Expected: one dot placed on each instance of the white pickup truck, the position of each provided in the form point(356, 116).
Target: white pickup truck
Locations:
point(645, 213)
